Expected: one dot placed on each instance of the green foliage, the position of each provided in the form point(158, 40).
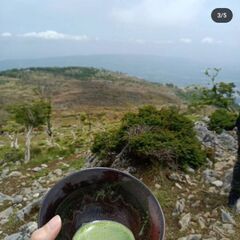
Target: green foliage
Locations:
point(32, 114)
point(221, 120)
point(11, 155)
point(219, 94)
point(150, 135)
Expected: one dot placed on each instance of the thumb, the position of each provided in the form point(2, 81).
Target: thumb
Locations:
point(49, 231)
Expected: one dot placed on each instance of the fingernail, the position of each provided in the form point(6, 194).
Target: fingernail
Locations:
point(54, 222)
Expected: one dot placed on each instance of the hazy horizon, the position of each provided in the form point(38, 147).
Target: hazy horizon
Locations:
point(31, 29)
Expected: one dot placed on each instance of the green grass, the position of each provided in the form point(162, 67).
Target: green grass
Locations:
point(165, 199)
point(77, 163)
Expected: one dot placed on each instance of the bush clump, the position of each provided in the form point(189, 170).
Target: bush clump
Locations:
point(152, 135)
point(12, 155)
point(221, 120)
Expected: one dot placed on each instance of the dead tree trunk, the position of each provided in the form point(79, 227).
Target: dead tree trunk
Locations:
point(13, 140)
point(28, 144)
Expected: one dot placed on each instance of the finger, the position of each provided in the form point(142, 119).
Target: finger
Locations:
point(49, 231)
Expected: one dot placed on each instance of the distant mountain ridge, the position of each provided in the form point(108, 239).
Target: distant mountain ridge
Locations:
point(179, 71)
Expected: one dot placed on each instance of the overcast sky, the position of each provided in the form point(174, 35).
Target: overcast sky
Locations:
point(179, 28)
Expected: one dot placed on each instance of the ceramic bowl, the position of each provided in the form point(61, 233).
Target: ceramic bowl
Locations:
point(104, 194)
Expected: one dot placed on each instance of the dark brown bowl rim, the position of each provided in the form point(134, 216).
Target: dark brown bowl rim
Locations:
point(49, 193)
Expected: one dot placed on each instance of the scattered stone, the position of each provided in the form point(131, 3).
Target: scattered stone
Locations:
point(131, 170)
point(188, 180)
point(37, 169)
point(21, 214)
point(227, 180)
point(25, 232)
point(5, 172)
point(4, 215)
point(202, 222)
point(15, 236)
point(157, 186)
point(58, 172)
point(178, 186)
point(210, 175)
point(228, 141)
point(29, 227)
point(217, 183)
point(15, 174)
point(44, 165)
point(36, 195)
point(190, 170)
point(184, 221)
point(4, 197)
point(18, 199)
point(227, 217)
point(179, 208)
point(176, 177)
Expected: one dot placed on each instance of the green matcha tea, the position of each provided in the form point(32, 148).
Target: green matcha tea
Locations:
point(103, 230)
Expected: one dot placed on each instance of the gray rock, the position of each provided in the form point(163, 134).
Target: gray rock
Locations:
point(227, 180)
point(37, 169)
point(44, 165)
point(16, 236)
point(58, 172)
point(18, 199)
point(131, 170)
point(26, 191)
point(205, 136)
point(184, 221)
point(217, 183)
point(4, 197)
point(206, 119)
point(29, 228)
point(210, 175)
point(228, 141)
point(4, 215)
point(179, 208)
point(36, 195)
point(201, 222)
point(5, 172)
point(15, 174)
point(25, 232)
point(227, 217)
point(190, 170)
point(176, 177)
point(21, 214)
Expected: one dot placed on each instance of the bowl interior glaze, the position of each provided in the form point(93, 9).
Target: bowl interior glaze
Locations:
point(104, 194)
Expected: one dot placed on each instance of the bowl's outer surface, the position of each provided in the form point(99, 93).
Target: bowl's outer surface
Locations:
point(104, 194)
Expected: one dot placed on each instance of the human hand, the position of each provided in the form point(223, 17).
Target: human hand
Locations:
point(49, 231)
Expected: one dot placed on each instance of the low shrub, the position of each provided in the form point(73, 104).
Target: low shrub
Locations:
point(152, 135)
point(221, 120)
point(13, 155)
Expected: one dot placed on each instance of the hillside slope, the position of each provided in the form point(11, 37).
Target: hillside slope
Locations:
point(82, 87)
